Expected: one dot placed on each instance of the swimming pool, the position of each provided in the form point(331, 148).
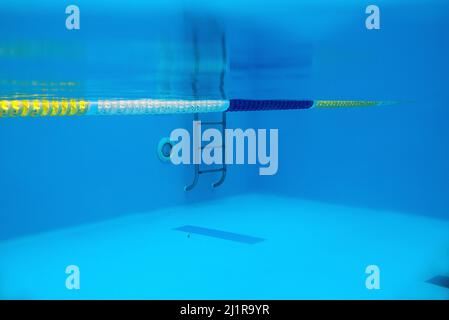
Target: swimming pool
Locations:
point(354, 187)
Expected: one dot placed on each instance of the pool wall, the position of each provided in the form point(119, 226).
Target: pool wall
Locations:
point(62, 172)
point(391, 157)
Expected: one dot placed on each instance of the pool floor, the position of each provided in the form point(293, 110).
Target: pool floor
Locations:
point(253, 246)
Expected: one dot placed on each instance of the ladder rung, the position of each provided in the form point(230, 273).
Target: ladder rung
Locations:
point(204, 147)
point(212, 122)
point(212, 170)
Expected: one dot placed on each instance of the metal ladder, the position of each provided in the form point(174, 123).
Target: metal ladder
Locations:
point(198, 171)
point(196, 117)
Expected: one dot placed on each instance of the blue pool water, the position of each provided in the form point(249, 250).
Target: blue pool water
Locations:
point(355, 187)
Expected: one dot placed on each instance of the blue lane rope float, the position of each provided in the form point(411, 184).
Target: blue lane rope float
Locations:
point(76, 107)
point(256, 105)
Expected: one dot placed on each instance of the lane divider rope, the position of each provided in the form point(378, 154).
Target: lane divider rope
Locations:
point(77, 107)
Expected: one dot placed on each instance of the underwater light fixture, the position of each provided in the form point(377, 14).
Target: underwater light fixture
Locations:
point(75, 107)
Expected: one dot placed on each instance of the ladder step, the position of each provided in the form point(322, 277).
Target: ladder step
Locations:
point(212, 122)
point(204, 147)
point(212, 170)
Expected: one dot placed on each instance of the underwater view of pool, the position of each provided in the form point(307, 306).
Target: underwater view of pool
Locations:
point(224, 150)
